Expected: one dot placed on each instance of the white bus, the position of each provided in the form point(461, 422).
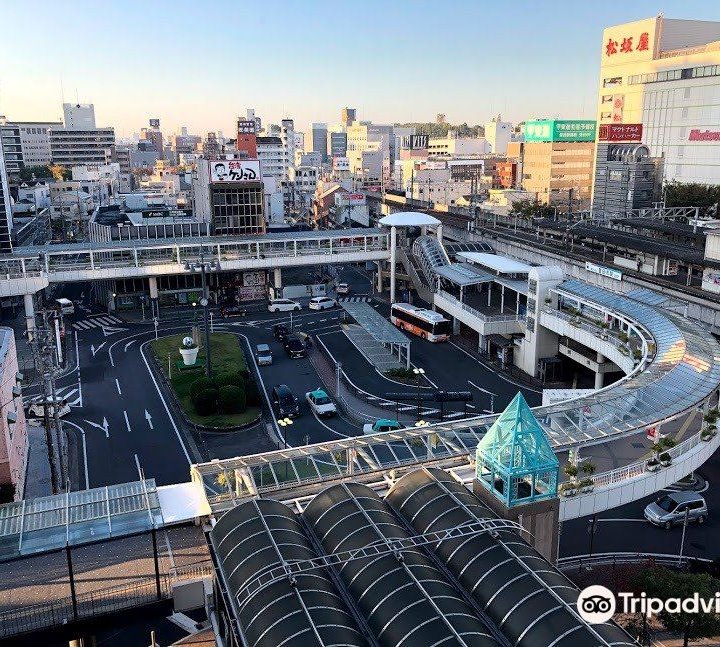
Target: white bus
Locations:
point(425, 323)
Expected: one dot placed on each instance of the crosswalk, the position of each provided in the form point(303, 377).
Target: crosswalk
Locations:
point(71, 394)
point(358, 299)
point(97, 322)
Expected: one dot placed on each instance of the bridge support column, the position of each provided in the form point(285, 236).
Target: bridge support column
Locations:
point(29, 315)
point(378, 278)
point(456, 326)
point(599, 380)
point(502, 299)
point(393, 262)
point(439, 233)
point(277, 281)
point(154, 303)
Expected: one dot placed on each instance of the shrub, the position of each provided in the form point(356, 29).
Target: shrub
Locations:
point(205, 402)
point(200, 385)
point(231, 399)
point(252, 394)
point(402, 373)
point(235, 378)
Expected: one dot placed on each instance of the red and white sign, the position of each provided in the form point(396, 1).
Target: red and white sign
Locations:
point(653, 433)
point(234, 170)
point(349, 198)
point(697, 135)
point(618, 107)
point(620, 132)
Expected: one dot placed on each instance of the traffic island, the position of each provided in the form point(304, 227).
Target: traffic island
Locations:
point(228, 401)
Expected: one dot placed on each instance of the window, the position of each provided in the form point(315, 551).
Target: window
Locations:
point(613, 81)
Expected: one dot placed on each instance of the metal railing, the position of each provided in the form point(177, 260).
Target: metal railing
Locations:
point(604, 559)
point(34, 617)
point(476, 313)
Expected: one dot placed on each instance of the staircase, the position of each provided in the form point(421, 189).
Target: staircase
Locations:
point(412, 267)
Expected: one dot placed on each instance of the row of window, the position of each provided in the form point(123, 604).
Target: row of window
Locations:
point(667, 75)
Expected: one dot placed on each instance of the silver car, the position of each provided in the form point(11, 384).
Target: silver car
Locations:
point(263, 355)
point(671, 509)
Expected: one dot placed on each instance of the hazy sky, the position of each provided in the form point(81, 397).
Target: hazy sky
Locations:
point(200, 63)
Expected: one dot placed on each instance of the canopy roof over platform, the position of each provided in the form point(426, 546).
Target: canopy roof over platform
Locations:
point(499, 264)
point(408, 219)
point(379, 328)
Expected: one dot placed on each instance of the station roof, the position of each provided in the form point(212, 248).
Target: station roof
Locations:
point(408, 219)
point(463, 274)
point(499, 264)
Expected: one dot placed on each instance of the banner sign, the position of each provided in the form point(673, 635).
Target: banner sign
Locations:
point(234, 170)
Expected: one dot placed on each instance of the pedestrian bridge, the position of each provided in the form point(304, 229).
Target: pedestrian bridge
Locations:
point(30, 269)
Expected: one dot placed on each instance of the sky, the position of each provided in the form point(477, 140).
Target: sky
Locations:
point(201, 63)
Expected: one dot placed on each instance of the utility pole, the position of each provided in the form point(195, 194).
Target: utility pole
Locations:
point(46, 355)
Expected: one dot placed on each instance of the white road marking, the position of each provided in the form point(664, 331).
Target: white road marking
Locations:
point(102, 427)
point(479, 388)
point(95, 350)
point(148, 417)
point(117, 384)
point(107, 331)
point(137, 462)
point(130, 343)
point(77, 357)
point(127, 422)
point(84, 446)
point(634, 520)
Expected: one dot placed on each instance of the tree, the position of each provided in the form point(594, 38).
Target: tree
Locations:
point(664, 583)
point(202, 384)
point(205, 402)
point(689, 194)
point(60, 173)
point(528, 209)
point(231, 399)
point(30, 173)
point(235, 378)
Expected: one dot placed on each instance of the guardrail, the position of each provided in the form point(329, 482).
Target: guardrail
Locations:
point(476, 313)
point(603, 559)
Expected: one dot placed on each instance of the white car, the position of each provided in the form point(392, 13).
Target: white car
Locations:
point(342, 288)
point(320, 403)
point(322, 303)
point(283, 305)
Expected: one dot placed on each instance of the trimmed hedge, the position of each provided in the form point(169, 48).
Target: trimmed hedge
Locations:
point(235, 378)
point(205, 402)
point(231, 399)
point(252, 394)
point(200, 385)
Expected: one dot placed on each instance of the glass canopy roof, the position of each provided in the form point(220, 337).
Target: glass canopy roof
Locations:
point(379, 328)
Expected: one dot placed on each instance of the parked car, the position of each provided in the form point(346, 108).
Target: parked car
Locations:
point(37, 410)
point(280, 331)
point(342, 288)
point(283, 305)
point(285, 404)
point(65, 306)
point(294, 347)
point(263, 355)
point(321, 303)
point(379, 426)
point(670, 509)
point(321, 403)
point(232, 311)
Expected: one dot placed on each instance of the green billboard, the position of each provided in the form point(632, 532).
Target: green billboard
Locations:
point(559, 130)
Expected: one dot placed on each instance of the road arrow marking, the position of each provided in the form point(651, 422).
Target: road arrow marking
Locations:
point(117, 384)
point(127, 422)
point(148, 417)
point(107, 330)
point(103, 426)
point(130, 343)
point(95, 350)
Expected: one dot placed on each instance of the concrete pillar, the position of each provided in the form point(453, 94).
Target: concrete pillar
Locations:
point(599, 380)
point(502, 299)
point(29, 315)
point(656, 263)
point(277, 281)
point(393, 262)
point(378, 278)
point(154, 303)
point(600, 358)
point(439, 233)
point(456, 326)
point(461, 294)
point(517, 303)
point(489, 293)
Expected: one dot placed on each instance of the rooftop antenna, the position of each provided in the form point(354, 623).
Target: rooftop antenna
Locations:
point(62, 91)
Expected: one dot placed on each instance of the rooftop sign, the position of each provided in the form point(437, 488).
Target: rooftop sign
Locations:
point(554, 130)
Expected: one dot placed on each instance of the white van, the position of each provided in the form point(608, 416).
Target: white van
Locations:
point(65, 306)
point(283, 305)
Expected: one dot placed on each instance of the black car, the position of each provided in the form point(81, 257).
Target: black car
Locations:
point(233, 311)
point(286, 405)
point(280, 331)
point(294, 347)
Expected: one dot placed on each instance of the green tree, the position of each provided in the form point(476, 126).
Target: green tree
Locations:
point(30, 173)
point(202, 384)
point(664, 583)
point(231, 399)
point(205, 402)
point(688, 194)
point(529, 209)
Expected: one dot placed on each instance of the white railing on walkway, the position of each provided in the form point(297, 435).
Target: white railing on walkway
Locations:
point(476, 313)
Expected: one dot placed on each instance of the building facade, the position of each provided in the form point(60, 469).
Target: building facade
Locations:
point(13, 428)
point(348, 116)
point(319, 139)
point(498, 134)
point(271, 154)
point(5, 209)
point(34, 140)
point(12, 148)
point(665, 74)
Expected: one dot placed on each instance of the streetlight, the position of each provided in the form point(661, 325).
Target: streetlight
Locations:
point(285, 423)
point(422, 423)
point(203, 267)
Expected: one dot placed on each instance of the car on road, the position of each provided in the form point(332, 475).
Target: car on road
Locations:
point(670, 509)
point(37, 410)
point(232, 311)
point(379, 426)
point(342, 288)
point(263, 355)
point(321, 403)
point(294, 347)
point(65, 306)
point(280, 331)
point(321, 303)
point(284, 402)
point(283, 305)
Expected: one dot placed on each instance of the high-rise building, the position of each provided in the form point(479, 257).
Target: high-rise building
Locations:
point(287, 136)
point(246, 141)
point(665, 74)
point(557, 161)
point(271, 154)
point(153, 134)
point(228, 193)
point(348, 116)
point(319, 139)
point(498, 134)
point(11, 147)
point(79, 141)
point(337, 143)
point(5, 211)
point(34, 140)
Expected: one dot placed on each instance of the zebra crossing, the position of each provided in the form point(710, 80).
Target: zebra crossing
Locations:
point(358, 299)
point(72, 394)
point(97, 322)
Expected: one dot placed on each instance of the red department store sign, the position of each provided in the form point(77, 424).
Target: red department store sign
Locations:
point(697, 135)
point(628, 44)
point(620, 132)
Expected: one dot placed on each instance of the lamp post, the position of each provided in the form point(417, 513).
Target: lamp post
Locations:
point(285, 423)
point(203, 267)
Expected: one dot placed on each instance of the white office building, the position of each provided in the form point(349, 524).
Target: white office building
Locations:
point(498, 134)
point(80, 141)
point(34, 140)
point(665, 74)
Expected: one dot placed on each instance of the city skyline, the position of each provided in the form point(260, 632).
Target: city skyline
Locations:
point(552, 74)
